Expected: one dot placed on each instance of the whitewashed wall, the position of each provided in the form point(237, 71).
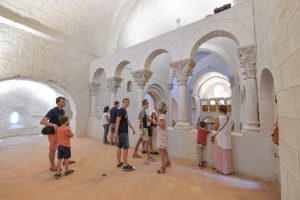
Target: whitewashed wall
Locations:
point(277, 32)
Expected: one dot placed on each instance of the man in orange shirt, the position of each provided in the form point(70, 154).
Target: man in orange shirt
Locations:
point(64, 146)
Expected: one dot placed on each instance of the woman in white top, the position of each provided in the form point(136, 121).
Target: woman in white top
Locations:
point(222, 148)
point(105, 123)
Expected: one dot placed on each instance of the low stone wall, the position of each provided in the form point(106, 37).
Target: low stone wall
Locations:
point(254, 154)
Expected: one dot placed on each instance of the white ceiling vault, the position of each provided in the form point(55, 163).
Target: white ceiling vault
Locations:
point(148, 19)
point(103, 26)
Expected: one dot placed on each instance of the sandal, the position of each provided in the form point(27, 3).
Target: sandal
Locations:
point(168, 164)
point(57, 176)
point(68, 172)
point(120, 164)
point(162, 170)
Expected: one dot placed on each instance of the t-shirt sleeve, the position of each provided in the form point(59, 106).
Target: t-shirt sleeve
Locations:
point(142, 114)
point(50, 113)
point(120, 113)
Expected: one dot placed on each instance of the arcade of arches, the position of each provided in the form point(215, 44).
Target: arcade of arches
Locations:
point(96, 52)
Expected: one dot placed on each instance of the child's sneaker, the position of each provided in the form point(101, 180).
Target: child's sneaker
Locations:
point(68, 172)
point(128, 168)
point(57, 176)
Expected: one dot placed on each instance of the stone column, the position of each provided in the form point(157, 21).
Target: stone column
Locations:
point(182, 70)
point(141, 77)
point(248, 62)
point(93, 87)
point(113, 84)
point(170, 101)
point(235, 103)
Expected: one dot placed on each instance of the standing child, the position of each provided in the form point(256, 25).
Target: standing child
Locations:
point(162, 137)
point(64, 146)
point(201, 142)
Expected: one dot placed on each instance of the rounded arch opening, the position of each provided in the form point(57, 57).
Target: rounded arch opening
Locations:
point(211, 35)
point(27, 102)
point(120, 68)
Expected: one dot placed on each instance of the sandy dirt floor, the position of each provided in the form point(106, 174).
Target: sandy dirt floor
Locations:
point(24, 174)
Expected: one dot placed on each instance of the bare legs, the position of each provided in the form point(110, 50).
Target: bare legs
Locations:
point(165, 160)
point(125, 155)
point(52, 160)
point(137, 146)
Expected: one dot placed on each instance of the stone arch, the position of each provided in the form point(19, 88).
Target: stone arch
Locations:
point(42, 103)
point(152, 56)
point(221, 53)
point(97, 68)
point(96, 75)
point(156, 92)
point(120, 68)
point(218, 28)
point(155, 50)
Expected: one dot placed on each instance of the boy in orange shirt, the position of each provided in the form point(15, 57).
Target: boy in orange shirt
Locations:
point(64, 146)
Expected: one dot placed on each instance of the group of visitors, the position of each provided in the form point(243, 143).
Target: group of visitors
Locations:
point(151, 128)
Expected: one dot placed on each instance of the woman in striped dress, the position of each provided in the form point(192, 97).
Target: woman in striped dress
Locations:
point(162, 136)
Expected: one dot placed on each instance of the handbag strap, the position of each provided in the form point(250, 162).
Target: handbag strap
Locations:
point(223, 126)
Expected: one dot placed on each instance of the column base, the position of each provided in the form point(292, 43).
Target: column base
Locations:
point(183, 126)
point(250, 129)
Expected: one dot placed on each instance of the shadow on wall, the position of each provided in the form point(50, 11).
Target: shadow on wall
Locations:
point(25, 103)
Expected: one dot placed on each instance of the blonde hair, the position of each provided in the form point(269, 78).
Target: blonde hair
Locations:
point(164, 108)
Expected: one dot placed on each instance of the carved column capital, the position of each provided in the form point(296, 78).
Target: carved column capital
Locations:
point(93, 87)
point(247, 57)
point(141, 77)
point(182, 70)
point(113, 84)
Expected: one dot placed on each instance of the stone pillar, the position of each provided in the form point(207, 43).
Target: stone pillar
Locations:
point(248, 62)
point(141, 77)
point(113, 84)
point(182, 70)
point(170, 101)
point(235, 103)
point(93, 87)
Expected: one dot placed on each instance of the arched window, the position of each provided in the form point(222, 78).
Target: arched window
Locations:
point(14, 118)
point(218, 91)
point(221, 102)
point(129, 86)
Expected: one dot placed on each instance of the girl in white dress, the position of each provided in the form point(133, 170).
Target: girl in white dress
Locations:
point(162, 136)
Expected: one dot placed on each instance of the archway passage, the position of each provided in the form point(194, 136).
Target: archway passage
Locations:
point(26, 103)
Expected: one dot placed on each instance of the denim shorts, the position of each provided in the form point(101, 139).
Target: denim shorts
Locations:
point(112, 128)
point(123, 141)
point(63, 152)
